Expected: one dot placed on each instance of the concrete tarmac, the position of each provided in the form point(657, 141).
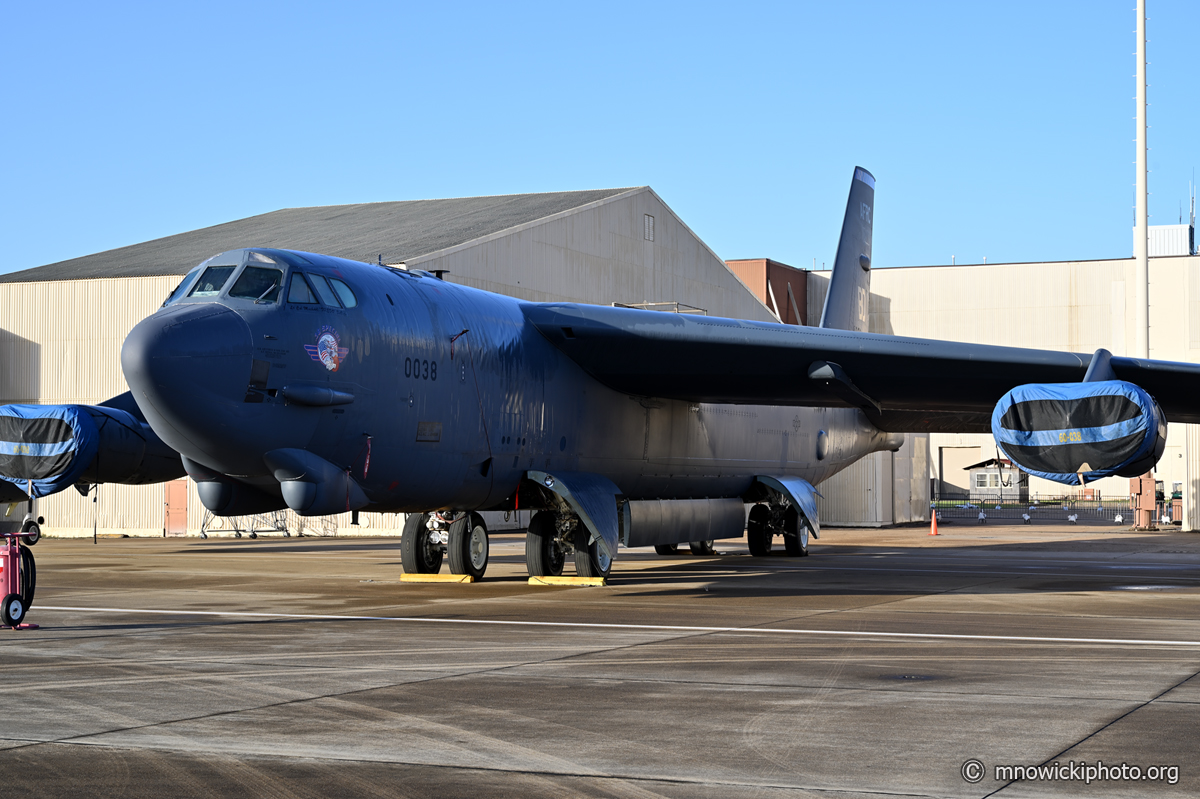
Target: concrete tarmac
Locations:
point(876, 667)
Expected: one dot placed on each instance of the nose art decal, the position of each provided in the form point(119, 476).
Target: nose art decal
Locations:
point(327, 349)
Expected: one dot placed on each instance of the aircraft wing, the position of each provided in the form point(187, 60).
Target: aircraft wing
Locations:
point(903, 384)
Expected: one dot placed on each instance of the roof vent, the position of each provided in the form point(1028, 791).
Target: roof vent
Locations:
point(649, 228)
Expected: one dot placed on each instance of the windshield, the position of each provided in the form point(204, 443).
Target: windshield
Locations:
point(183, 284)
point(326, 294)
point(210, 283)
point(299, 291)
point(258, 283)
point(344, 292)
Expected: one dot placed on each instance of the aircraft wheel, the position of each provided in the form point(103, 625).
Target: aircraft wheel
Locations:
point(417, 554)
point(795, 537)
point(468, 547)
point(758, 531)
point(667, 549)
point(254, 535)
point(590, 560)
point(543, 556)
point(702, 547)
point(33, 532)
point(13, 610)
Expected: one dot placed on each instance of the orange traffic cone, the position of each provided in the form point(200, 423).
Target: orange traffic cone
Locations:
point(933, 523)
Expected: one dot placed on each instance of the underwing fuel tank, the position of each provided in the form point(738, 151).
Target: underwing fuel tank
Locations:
point(1061, 431)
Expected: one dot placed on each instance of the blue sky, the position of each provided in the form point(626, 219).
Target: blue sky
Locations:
point(999, 130)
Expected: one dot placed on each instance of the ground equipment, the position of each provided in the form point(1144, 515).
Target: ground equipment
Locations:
point(18, 578)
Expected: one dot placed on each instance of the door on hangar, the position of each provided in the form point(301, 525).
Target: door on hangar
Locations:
point(176, 501)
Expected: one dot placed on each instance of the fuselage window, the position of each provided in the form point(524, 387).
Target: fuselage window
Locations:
point(344, 293)
point(299, 292)
point(323, 290)
point(210, 283)
point(258, 283)
point(182, 287)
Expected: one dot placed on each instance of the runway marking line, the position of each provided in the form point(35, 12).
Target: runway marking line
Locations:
point(635, 627)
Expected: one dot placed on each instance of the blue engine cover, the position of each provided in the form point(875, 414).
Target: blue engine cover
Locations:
point(50, 445)
point(1060, 430)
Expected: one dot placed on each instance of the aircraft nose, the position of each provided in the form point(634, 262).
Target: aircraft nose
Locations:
point(188, 366)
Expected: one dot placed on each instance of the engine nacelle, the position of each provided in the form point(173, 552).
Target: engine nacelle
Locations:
point(1063, 430)
point(57, 446)
point(225, 496)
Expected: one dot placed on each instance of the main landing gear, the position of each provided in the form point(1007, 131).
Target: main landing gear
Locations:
point(778, 518)
point(552, 537)
point(428, 537)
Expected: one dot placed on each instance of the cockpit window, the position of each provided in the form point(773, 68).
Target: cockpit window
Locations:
point(299, 292)
point(210, 283)
point(343, 292)
point(258, 283)
point(182, 287)
point(326, 293)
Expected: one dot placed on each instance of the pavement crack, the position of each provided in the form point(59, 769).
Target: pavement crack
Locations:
point(1103, 727)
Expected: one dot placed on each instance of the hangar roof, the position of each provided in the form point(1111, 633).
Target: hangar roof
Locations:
point(398, 231)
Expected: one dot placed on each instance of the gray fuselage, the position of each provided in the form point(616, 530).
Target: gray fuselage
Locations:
point(457, 393)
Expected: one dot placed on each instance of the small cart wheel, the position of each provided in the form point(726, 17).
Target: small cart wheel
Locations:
point(13, 610)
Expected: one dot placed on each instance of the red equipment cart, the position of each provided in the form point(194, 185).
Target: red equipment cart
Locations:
point(18, 576)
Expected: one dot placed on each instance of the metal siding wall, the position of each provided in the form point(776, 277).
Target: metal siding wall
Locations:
point(860, 495)
point(1191, 480)
point(1076, 306)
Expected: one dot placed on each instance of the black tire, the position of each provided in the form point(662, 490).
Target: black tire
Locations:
point(758, 531)
point(33, 532)
point(702, 547)
point(667, 549)
point(253, 535)
point(28, 581)
point(590, 560)
point(543, 557)
point(13, 610)
point(417, 555)
point(795, 534)
point(468, 548)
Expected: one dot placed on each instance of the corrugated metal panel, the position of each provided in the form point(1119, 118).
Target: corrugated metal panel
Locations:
point(1191, 479)
point(860, 495)
point(66, 336)
point(1168, 240)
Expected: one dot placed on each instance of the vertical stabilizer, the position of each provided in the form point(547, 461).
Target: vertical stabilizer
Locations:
point(848, 301)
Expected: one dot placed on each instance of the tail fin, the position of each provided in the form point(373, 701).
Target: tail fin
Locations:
point(848, 301)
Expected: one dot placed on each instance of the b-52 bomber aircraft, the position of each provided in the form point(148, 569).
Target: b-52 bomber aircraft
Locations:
point(280, 379)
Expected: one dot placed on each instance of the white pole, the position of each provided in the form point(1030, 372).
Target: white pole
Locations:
point(1141, 283)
